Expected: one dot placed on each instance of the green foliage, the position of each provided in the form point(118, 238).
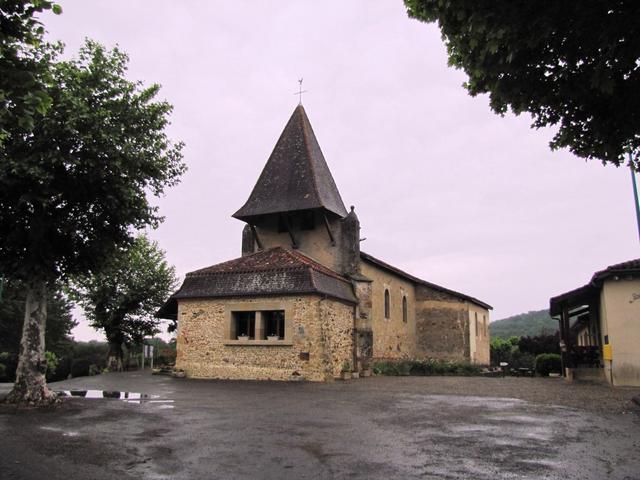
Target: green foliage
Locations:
point(52, 363)
point(24, 65)
point(123, 296)
point(573, 65)
point(503, 350)
point(547, 363)
point(425, 368)
point(80, 358)
point(525, 324)
point(540, 344)
point(164, 352)
point(73, 190)
point(520, 352)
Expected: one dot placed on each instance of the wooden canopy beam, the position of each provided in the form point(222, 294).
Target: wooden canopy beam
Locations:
point(256, 237)
point(287, 224)
point(326, 224)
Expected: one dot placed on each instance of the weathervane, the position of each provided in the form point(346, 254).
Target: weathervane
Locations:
point(300, 91)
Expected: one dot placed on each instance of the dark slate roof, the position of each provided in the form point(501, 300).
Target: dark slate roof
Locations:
point(397, 271)
point(583, 294)
point(276, 271)
point(296, 176)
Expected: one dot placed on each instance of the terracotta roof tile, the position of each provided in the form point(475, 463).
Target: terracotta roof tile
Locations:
point(276, 271)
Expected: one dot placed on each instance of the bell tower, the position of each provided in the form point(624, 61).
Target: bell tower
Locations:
point(295, 203)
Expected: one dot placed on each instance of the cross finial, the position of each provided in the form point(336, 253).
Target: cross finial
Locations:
point(300, 91)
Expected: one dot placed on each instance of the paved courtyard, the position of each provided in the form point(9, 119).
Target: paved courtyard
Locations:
point(377, 428)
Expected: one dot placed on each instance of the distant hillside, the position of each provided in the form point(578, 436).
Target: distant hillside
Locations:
point(531, 323)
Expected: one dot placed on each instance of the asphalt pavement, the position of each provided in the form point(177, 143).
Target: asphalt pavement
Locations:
point(375, 428)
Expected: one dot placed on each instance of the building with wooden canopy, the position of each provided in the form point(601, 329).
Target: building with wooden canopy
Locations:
point(303, 301)
point(600, 326)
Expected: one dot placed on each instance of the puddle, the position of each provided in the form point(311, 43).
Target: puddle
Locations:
point(129, 397)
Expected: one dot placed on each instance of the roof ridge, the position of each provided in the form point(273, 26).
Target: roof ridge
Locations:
point(415, 279)
point(247, 270)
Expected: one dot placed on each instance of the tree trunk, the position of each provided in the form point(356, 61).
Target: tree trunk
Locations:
point(30, 387)
point(116, 355)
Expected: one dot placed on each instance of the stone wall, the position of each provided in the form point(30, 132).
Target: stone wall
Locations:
point(318, 339)
point(442, 325)
point(392, 337)
point(315, 243)
point(479, 339)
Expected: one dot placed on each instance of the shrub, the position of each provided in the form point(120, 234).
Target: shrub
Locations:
point(522, 360)
point(425, 368)
point(94, 369)
point(385, 368)
point(80, 368)
point(52, 364)
point(547, 363)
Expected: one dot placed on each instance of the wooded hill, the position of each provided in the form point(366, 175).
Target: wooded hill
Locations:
point(524, 324)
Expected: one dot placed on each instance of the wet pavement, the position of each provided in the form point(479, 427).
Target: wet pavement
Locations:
point(379, 428)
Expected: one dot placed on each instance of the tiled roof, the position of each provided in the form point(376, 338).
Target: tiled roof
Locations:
point(585, 293)
point(276, 271)
point(296, 176)
point(630, 266)
point(397, 271)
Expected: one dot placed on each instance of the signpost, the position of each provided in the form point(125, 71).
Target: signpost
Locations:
point(147, 352)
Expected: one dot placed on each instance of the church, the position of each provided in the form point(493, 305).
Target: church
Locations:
point(303, 302)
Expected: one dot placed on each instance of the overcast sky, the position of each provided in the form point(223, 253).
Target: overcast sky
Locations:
point(444, 189)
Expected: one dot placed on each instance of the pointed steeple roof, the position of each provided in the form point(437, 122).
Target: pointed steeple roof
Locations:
point(296, 176)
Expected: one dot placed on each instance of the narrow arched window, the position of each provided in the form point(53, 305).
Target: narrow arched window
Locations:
point(477, 332)
point(405, 310)
point(387, 308)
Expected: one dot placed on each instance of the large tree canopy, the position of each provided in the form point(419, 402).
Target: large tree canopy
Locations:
point(575, 65)
point(24, 64)
point(123, 296)
point(75, 188)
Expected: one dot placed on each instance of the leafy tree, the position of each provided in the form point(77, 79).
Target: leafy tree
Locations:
point(24, 62)
point(503, 350)
point(60, 322)
point(539, 344)
point(72, 191)
point(532, 323)
point(570, 64)
point(124, 295)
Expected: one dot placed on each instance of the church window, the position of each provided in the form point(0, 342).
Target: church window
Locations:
point(405, 310)
point(477, 331)
point(387, 308)
point(245, 324)
point(273, 323)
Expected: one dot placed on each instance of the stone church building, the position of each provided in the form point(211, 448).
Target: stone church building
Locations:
point(303, 301)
